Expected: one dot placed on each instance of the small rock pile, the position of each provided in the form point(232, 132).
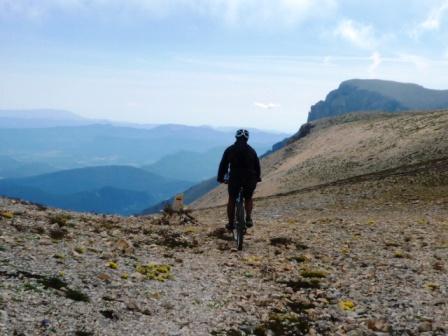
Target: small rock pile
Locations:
point(175, 217)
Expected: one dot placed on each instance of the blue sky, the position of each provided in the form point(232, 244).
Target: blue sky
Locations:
point(257, 63)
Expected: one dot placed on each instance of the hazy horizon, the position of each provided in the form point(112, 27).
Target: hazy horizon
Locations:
point(218, 63)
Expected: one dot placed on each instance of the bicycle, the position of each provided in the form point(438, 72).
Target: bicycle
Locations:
point(240, 221)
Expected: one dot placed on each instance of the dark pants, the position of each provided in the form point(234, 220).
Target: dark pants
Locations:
point(234, 187)
point(248, 186)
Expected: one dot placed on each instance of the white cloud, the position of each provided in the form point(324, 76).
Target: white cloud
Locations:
point(266, 106)
point(232, 12)
point(37, 9)
point(360, 35)
point(376, 61)
point(421, 63)
point(435, 18)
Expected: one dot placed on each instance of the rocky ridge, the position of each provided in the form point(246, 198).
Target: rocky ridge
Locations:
point(364, 95)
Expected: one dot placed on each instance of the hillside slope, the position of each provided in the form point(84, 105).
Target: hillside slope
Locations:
point(104, 189)
point(190, 195)
point(346, 146)
point(358, 95)
point(188, 165)
point(10, 168)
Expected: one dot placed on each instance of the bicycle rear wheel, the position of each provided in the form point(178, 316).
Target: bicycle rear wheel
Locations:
point(239, 239)
point(240, 223)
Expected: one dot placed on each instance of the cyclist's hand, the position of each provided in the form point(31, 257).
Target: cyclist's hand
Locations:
point(259, 179)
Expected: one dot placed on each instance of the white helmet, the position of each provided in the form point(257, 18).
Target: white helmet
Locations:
point(242, 133)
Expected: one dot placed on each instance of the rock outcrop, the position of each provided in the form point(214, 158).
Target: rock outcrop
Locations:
point(378, 95)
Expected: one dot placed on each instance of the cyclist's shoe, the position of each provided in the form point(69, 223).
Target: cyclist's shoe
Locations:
point(230, 227)
point(249, 222)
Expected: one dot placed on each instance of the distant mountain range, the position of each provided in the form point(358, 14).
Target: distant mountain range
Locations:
point(109, 189)
point(77, 146)
point(359, 95)
point(188, 165)
point(10, 168)
point(42, 118)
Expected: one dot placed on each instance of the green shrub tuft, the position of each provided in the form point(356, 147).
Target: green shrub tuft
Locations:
point(159, 272)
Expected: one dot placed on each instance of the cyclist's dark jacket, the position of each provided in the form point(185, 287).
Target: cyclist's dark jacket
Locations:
point(243, 161)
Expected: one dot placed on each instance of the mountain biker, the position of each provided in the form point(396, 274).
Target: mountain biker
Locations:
point(244, 173)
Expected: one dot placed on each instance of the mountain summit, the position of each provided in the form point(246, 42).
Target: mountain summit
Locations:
point(364, 95)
